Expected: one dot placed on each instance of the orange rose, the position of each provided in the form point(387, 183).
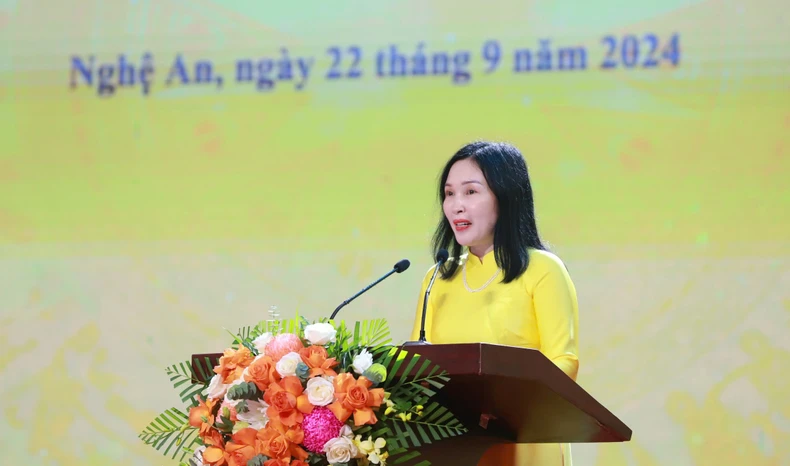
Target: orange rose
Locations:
point(232, 363)
point(287, 401)
point(355, 397)
point(278, 447)
point(279, 441)
point(275, 462)
point(241, 448)
point(262, 372)
point(298, 463)
point(315, 357)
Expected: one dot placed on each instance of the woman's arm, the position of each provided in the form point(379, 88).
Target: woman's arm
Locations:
point(557, 313)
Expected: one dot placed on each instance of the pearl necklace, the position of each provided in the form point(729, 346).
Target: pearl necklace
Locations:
point(466, 284)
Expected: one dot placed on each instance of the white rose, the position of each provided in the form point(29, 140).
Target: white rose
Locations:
point(320, 391)
point(320, 334)
point(255, 415)
point(261, 342)
point(362, 361)
point(217, 389)
point(340, 450)
point(287, 364)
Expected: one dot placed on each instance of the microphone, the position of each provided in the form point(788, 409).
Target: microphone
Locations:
point(441, 258)
point(399, 267)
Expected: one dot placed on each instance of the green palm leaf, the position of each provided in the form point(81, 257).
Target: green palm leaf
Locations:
point(171, 434)
point(401, 455)
point(413, 380)
point(410, 372)
point(435, 424)
point(245, 332)
point(203, 368)
point(373, 334)
point(185, 378)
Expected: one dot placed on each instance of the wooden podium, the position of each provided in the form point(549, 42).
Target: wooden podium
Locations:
point(506, 394)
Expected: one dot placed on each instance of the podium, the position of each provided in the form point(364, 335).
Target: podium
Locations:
point(505, 394)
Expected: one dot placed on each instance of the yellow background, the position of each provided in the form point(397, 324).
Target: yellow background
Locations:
point(134, 228)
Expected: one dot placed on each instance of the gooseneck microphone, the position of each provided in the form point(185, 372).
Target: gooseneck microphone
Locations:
point(441, 258)
point(399, 267)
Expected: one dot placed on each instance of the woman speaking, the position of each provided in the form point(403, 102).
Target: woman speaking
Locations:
point(500, 285)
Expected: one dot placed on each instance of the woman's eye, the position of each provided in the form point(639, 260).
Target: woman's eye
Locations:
point(471, 191)
point(448, 193)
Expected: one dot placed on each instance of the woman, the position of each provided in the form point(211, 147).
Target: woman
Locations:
point(500, 285)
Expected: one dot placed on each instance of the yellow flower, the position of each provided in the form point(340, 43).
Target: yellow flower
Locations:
point(376, 458)
point(372, 449)
point(364, 446)
point(390, 405)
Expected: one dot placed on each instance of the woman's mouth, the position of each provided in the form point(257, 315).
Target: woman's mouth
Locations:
point(461, 224)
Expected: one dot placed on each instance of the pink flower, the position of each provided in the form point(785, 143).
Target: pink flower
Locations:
point(283, 344)
point(231, 410)
point(320, 426)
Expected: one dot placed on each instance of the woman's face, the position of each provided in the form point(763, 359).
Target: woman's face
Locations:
point(470, 207)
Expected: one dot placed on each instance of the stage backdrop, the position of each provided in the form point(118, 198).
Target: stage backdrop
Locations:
point(169, 169)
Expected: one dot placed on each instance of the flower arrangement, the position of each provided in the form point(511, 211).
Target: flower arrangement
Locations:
point(295, 393)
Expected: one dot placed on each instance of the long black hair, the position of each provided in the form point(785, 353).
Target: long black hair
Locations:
point(516, 230)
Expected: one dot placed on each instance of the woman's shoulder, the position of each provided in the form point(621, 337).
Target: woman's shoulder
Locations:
point(542, 262)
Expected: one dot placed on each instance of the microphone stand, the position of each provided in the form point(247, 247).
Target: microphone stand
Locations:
point(442, 257)
point(344, 303)
point(401, 266)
